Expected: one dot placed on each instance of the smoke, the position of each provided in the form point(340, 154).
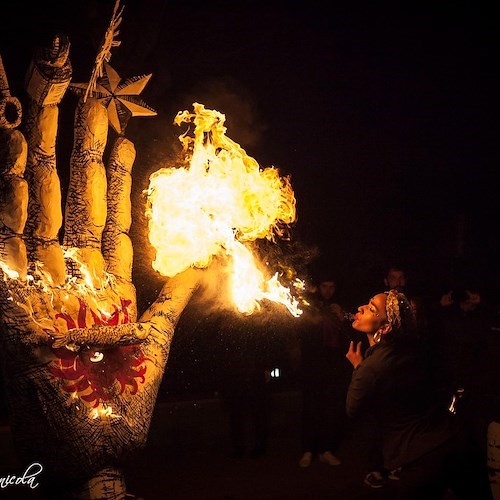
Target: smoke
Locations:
point(231, 98)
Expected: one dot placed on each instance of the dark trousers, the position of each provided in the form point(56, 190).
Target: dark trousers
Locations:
point(247, 405)
point(451, 466)
point(323, 418)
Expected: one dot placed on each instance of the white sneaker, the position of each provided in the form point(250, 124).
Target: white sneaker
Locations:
point(329, 458)
point(306, 459)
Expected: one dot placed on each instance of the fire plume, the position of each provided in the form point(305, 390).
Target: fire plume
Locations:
point(216, 205)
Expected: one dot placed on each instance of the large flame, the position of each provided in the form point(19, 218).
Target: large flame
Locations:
point(219, 203)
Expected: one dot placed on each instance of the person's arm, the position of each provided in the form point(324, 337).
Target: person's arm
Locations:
point(360, 390)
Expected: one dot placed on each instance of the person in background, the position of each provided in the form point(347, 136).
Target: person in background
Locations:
point(249, 350)
point(462, 332)
point(460, 328)
point(419, 436)
point(395, 279)
point(324, 375)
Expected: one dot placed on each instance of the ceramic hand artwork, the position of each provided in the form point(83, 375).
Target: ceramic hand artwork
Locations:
point(81, 372)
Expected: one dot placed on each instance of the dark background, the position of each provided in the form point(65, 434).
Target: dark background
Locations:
point(383, 115)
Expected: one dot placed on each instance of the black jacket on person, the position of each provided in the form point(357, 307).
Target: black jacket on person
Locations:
point(393, 382)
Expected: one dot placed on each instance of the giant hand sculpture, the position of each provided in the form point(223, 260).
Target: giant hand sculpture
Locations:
point(81, 372)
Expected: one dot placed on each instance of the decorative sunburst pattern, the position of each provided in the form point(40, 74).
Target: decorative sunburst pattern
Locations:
point(91, 374)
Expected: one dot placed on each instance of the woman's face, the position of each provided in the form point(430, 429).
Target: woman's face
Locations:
point(371, 316)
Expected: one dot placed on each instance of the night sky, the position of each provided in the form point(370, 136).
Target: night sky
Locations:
point(383, 116)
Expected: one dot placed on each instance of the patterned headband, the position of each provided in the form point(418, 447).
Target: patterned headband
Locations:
point(395, 302)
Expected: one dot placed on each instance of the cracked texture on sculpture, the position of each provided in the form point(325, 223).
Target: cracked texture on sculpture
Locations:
point(81, 372)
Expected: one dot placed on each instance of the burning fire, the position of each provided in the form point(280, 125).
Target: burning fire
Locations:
point(92, 376)
point(216, 206)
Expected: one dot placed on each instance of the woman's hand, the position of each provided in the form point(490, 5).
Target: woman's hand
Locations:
point(354, 353)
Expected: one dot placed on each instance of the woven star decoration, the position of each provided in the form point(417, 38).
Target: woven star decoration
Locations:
point(119, 96)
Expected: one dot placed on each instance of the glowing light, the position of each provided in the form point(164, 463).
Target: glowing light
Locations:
point(216, 205)
point(98, 356)
point(9, 273)
point(103, 412)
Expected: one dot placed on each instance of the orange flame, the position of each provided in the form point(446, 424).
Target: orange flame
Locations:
point(220, 202)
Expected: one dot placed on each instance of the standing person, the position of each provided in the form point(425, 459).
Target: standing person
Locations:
point(248, 354)
point(395, 279)
point(418, 434)
point(462, 330)
point(324, 376)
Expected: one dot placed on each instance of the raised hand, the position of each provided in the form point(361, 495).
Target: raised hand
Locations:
point(354, 354)
point(82, 374)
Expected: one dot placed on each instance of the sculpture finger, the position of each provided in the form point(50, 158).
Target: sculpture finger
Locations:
point(13, 187)
point(116, 245)
point(157, 324)
point(47, 80)
point(163, 315)
point(85, 211)
point(13, 203)
point(10, 107)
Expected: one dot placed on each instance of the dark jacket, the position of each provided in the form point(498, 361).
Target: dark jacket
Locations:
point(393, 382)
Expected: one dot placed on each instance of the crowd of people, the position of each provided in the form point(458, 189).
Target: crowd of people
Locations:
point(416, 370)
point(422, 375)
